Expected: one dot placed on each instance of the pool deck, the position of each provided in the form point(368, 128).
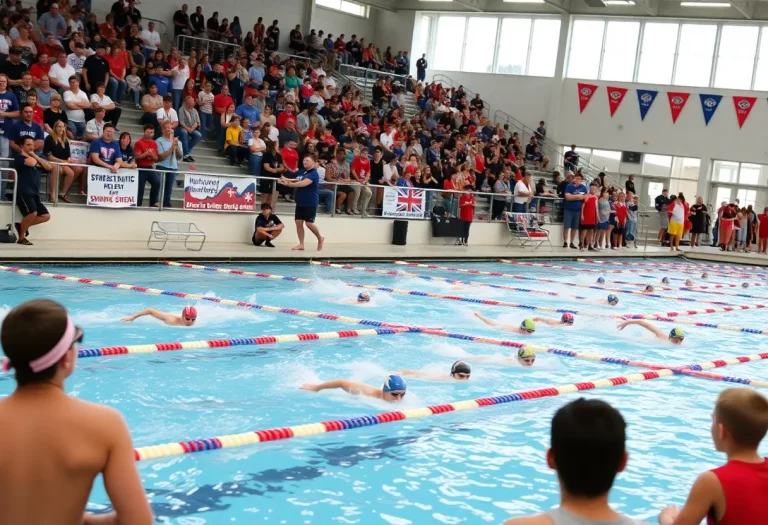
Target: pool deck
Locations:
point(85, 251)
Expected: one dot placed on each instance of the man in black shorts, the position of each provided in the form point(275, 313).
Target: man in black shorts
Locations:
point(307, 198)
point(268, 227)
point(32, 209)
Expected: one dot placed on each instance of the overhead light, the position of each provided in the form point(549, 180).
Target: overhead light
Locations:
point(618, 2)
point(705, 4)
point(523, 1)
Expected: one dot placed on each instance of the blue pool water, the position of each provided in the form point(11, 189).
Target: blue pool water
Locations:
point(479, 466)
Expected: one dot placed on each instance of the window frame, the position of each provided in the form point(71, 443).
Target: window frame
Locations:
point(366, 9)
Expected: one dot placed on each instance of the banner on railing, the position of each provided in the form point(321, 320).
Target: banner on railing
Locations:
point(206, 193)
point(405, 203)
point(78, 149)
point(112, 190)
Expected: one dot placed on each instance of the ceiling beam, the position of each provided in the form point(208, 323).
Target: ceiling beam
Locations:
point(559, 5)
point(651, 7)
point(375, 5)
point(472, 5)
point(746, 9)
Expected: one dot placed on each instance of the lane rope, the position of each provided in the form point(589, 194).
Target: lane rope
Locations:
point(697, 268)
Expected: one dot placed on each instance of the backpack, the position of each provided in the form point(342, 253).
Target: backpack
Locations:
point(7, 236)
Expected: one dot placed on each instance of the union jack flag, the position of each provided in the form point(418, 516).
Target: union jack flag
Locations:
point(410, 200)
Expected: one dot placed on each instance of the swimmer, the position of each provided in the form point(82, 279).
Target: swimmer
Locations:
point(601, 280)
point(59, 444)
point(187, 318)
point(460, 371)
point(566, 320)
point(705, 276)
point(362, 299)
point(665, 280)
point(745, 285)
point(611, 299)
point(527, 327)
point(393, 390)
point(689, 283)
point(649, 289)
point(676, 335)
point(525, 357)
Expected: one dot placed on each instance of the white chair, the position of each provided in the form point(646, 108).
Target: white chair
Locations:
point(163, 232)
point(525, 228)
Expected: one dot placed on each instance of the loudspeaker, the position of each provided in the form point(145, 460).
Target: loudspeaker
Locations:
point(399, 232)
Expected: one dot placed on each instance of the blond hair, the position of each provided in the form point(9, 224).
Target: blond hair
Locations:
point(744, 413)
point(60, 138)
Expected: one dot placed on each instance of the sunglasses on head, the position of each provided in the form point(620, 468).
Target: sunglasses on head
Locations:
point(397, 395)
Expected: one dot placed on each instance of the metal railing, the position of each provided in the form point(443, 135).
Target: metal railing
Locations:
point(445, 79)
point(215, 49)
point(102, 14)
point(368, 76)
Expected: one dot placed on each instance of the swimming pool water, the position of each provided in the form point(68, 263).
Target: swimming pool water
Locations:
point(479, 466)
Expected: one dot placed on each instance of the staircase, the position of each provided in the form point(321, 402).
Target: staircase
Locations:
point(364, 80)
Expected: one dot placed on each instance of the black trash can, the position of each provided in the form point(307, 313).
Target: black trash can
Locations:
point(399, 232)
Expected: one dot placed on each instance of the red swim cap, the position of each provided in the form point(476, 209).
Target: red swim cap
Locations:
point(189, 312)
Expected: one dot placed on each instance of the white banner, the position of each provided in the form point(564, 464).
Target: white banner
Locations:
point(112, 190)
point(206, 193)
point(406, 203)
point(79, 150)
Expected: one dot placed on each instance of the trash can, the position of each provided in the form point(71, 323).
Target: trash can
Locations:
point(399, 232)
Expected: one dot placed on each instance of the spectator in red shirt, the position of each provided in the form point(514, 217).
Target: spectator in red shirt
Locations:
point(360, 175)
point(50, 47)
point(466, 213)
point(39, 68)
point(762, 235)
point(117, 68)
point(588, 221)
point(37, 111)
point(145, 150)
point(284, 116)
point(621, 221)
point(291, 162)
point(107, 29)
point(220, 104)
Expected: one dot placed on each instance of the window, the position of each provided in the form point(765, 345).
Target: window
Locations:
point(685, 168)
point(736, 57)
point(686, 187)
point(761, 75)
point(620, 50)
point(658, 165)
point(546, 35)
point(749, 174)
point(725, 171)
point(606, 160)
point(448, 42)
point(479, 45)
point(657, 54)
point(513, 46)
point(425, 33)
point(694, 56)
point(746, 197)
point(586, 46)
point(722, 195)
point(347, 7)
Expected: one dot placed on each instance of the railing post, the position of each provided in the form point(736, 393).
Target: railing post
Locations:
point(55, 195)
point(161, 198)
point(333, 206)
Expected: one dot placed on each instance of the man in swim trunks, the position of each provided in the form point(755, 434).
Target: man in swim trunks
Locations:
point(565, 320)
point(676, 335)
point(460, 371)
point(54, 446)
point(527, 327)
point(187, 318)
point(525, 357)
point(393, 390)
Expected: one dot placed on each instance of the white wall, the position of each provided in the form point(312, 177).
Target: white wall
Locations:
point(525, 98)
point(396, 30)
point(689, 137)
point(336, 23)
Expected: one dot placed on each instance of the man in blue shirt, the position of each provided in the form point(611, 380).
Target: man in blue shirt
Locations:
point(307, 198)
point(575, 193)
point(9, 112)
point(160, 80)
point(169, 152)
point(26, 128)
point(105, 151)
point(28, 201)
point(247, 111)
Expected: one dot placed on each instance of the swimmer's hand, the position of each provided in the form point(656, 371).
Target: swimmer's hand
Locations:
point(623, 325)
point(668, 515)
point(129, 319)
point(311, 387)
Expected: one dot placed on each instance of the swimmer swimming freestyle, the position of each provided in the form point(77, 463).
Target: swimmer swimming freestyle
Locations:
point(527, 327)
point(394, 388)
point(566, 319)
point(187, 318)
point(676, 335)
point(362, 299)
point(611, 300)
point(460, 371)
point(665, 280)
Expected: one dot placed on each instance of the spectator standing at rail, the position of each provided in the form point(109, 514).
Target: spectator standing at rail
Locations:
point(661, 203)
point(306, 184)
point(575, 193)
point(169, 152)
point(145, 150)
point(588, 450)
point(33, 211)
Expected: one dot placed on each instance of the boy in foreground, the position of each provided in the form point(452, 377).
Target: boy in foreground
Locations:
point(59, 444)
point(737, 492)
point(588, 450)
point(267, 227)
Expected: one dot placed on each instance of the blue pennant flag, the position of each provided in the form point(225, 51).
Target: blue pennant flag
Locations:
point(709, 105)
point(645, 98)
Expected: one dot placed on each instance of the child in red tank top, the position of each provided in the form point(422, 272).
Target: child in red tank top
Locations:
point(737, 492)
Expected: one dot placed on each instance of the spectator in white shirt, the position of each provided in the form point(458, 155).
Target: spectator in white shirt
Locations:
point(95, 127)
point(180, 75)
point(270, 131)
point(61, 72)
point(100, 100)
point(167, 113)
point(387, 139)
point(77, 59)
point(523, 194)
point(77, 103)
point(151, 40)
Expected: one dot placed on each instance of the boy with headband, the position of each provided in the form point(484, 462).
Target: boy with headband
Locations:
point(54, 445)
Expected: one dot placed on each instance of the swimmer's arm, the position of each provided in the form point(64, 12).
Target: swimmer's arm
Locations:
point(428, 376)
point(157, 314)
point(489, 322)
point(121, 479)
point(546, 320)
point(706, 493)
point(645, 324)
point(348, 386)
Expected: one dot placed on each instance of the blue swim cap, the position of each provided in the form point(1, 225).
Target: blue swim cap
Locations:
point(394, 383)
point(364, 297)
point(567, 318)
point(745, 285)
point(612, 299)
point(665, 280)
point(601, 280)
point(649, 288)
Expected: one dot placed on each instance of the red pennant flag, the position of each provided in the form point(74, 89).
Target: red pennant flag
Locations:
point(743, 106)
point(615, 96)
point(677, 103)
point(585, 95)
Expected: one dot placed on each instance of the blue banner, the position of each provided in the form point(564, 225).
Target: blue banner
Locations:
point(709, 105)
point(645, 98)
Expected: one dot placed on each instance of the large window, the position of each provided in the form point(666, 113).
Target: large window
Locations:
point(347, 7)
point(740, 173)
point(492, 44)
point(657, 165)
point(699, 54)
